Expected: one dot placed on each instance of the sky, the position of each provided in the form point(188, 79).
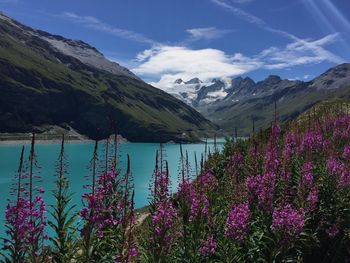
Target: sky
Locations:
point(163, 40)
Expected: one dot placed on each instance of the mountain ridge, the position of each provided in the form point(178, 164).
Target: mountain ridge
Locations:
point(293, 97)
point(235, 103)
point(41, 85)
point(64, 45)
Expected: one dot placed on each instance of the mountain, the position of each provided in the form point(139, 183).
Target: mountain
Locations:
point(195, 92)
point(178, 81)
point(49, 80)
point(241, 86)
point(248, 100)
point(235, 103)
point(194, 81)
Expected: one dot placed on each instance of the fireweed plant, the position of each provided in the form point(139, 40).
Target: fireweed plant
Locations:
point(15, 220)
point(26, 214)
point(281, 195)
point(159, 237)
point(62, 213)
point(106, 221)
point(108, 212)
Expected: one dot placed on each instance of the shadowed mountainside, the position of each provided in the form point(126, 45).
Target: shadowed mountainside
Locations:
point(50, 80)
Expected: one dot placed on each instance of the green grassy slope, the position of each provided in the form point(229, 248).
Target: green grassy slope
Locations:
point(290, 104)
point(39, 85)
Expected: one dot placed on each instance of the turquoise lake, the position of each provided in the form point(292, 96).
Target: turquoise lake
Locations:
point(142, 156)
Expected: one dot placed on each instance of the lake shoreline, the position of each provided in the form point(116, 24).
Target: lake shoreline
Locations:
point(76, 141)
point(26, 142)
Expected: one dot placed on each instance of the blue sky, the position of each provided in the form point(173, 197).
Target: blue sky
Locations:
point(161, 40)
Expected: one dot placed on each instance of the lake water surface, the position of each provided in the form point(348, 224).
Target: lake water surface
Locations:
point(142, 156)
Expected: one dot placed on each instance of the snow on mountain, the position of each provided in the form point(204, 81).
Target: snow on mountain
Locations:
point(214, 96)
point(194, 81)
point(178, 81)
point(196, 92)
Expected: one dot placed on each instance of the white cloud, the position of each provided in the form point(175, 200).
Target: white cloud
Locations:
point(172, 62)
point(96, 24)
point(168, 63)
point(300, 52)
point(207, 33)
point(250, 18)
point(165, 63)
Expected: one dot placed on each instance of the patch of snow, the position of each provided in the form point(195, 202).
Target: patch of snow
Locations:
point(208, 100)
point(227, 82)
point(217, 94)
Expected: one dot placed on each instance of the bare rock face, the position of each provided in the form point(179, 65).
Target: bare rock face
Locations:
point(78, 49)
point(178, 81)
point(333, 78)
point(194, 81)
point(87, 55)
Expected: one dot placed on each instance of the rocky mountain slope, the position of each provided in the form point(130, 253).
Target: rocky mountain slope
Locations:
point(196, 92)
point(250, 101)
point(235, 103)
point(50, 80)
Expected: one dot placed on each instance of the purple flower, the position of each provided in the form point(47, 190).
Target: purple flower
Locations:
point(341, 128)
point(199, 206)
point(197, 201)
point(237, 158)
point(17, 216)
point(276, 129)
point(261, 189)
point(161, 185)
point(28, 219)
point(133, 252)
point(312, 141)
point(288, 220)
point(312, 198)
point(332, 231)
point(307, 175)
point(237, 222)
point(346, 152)
point(208, 181)
point(286, 176)
point(252, 184)
point(272, 161)
point(208, 247)
point(289, 145)
point(163, 219)
point(344, 179)
point(101, 215)
point(334, 166)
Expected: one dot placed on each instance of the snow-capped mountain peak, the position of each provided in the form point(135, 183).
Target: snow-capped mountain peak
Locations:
point(194, 81)
point(197, 92)
point(178, 81)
